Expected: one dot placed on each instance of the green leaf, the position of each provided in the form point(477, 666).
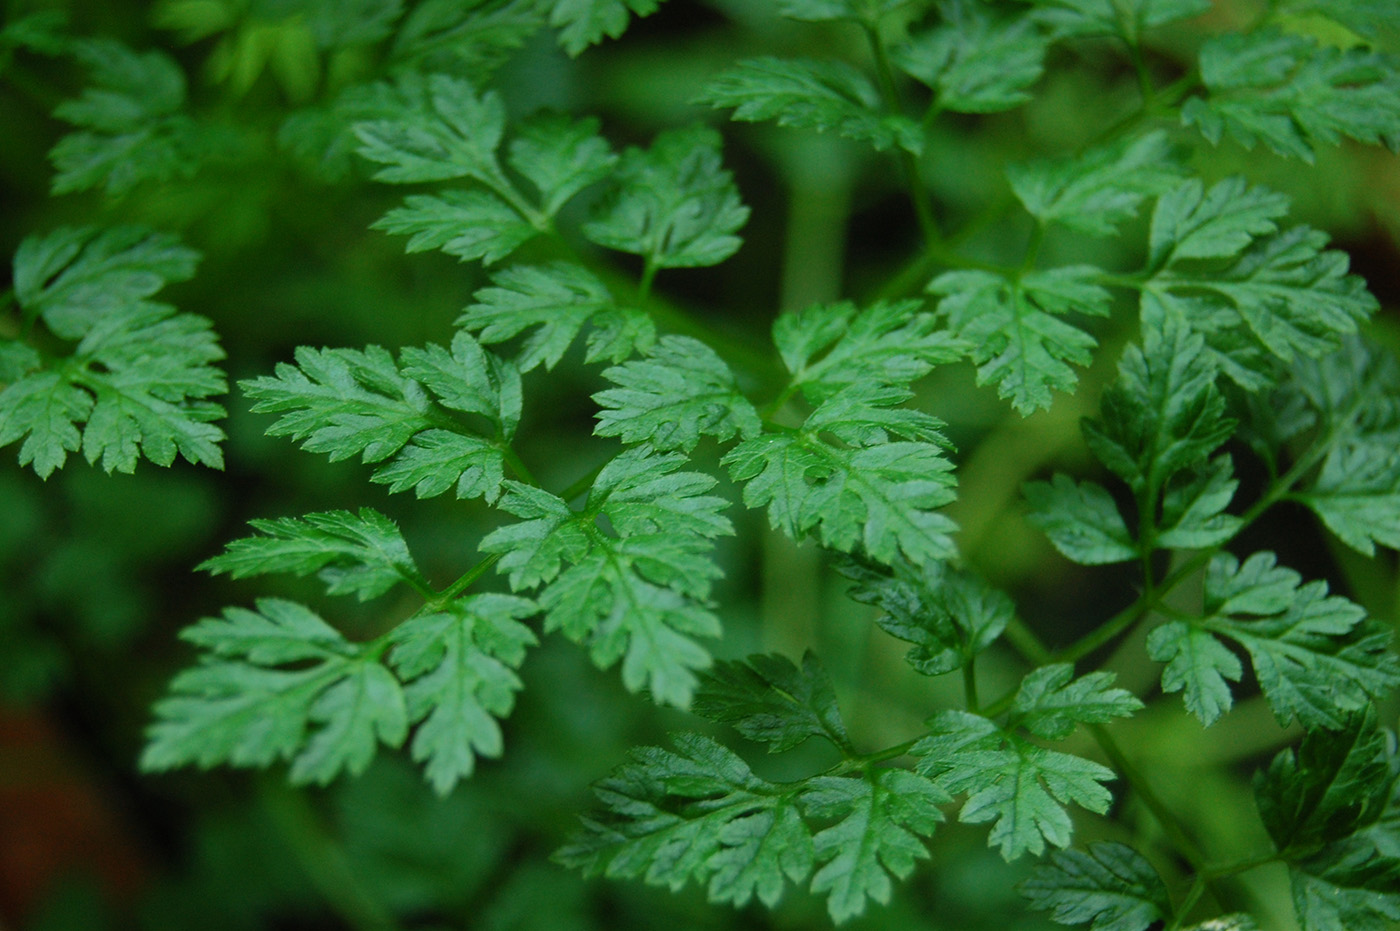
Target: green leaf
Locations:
point(558, 299)
point(700, 815)
point(1163, 414)
point(828, 348)
point(560, 157)
point(468, 224)
point(1096, 192)
point(975, 62)
point(636, 594)
point(1332, 785)
point(1220, 267)
point(1316, 656)
point(325, 716)
point(1018, 339)
point(828, 96)
point(361, 554)
point(347, 402)
point(1113, 17)
point(140, 372)
point(1081, 519)
point(879, 498)
point(678, 392)
point(1019, 786)
point(1193, 512)
point(813, 11)
point(1110, 887)
point(582, 23)
point(876, 835)
point(675, 206)
point(948, 615)
point(444, 130)
point(1051, 701)
point(130, 127)
point(472, 38)
point(459, 668)
point(768, 699)
point(1294, 95)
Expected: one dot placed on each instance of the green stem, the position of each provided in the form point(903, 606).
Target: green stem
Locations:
point(323, 859)
point(517, 465)
point(969, 676)
point(918, 191)
point(1174, 831)
point(648, 276)
point(463, 582)
point(1198, 888)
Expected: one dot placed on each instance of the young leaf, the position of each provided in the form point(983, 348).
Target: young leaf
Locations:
point(948, 615)
point(130, 125)
point(1019, 786)
point(700, 815)
point(472, 38)
point(1050, 701)
point(582, 23)
point(975, 62)
point(1109, 887)
point(1293, 95)
point(1164, 414)
point(678, 392)
point(362, 554)
point(444, 130)
point(879, 822)
point(326, 715)
point(140, 372)
point(347, 402)
point(1316, 656)
point(766, 698)
point(879, 498)
point(1190, 222)
point(458, 665)
point(676, 206)
point(1193, 512)
point(827, 348)
point(1018, 339)
point(1081, 519)
point(637, 594)
point(828, 96)
point(1096, 192)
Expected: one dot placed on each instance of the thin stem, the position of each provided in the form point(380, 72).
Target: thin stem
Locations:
point(969, 677)
point(1178, 836)
point(1198, 888)
point(517, 465)
point(918, 191)
point(648, 276)
point(464, 581)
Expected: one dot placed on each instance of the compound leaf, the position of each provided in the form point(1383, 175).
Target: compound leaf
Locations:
point(974, 62)
point(675, 206)
point(1081, 519)
point(130, 125)
point(1110, 17)
point(827, 348)
point(582, 23)
point(697, 814)
point(459, 668)
point(1294, 95)
point(1316, 656)
point(554, 302)
point(948, 615)
point(1020, 787)
point(445, 129)
point(814, 11)
point(680, 391)
point(362, 554)
point(1051, 701)
point(1096, 192)
point(828, 96)
point(560, 157)
point(1018, 339)
point(636, 595)
point(1109, 887)
point(470, 225)
point(768, 699)
point(325, 716)
point(876, 835)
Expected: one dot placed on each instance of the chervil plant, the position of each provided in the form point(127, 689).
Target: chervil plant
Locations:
point(1220, 352)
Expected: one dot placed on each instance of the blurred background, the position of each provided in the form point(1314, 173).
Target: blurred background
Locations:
point(96, 571)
